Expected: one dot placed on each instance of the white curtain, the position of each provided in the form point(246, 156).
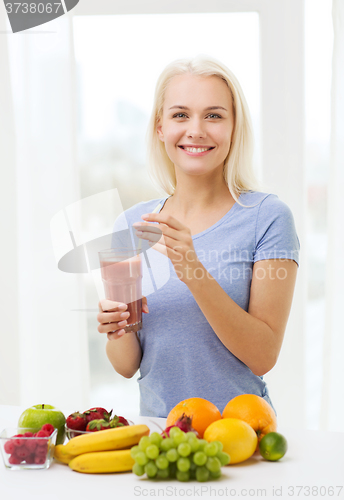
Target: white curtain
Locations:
point(52, 351)
point(332, 407)
point(9, 341)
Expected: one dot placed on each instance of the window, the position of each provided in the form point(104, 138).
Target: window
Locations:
point(116, 76)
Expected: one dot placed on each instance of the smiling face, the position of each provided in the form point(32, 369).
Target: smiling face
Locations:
point(197, 123)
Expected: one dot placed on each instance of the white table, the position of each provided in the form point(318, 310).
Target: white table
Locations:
point(312, 468)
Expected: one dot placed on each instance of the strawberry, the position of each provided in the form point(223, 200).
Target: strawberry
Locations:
point(97, 414)
point(77, 421)
point(98, 425)
point(118, 421)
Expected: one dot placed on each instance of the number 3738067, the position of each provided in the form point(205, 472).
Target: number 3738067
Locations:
point(32, 8)
point(312, 491)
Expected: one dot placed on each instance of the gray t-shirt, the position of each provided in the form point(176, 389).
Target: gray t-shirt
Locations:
point(182, 356)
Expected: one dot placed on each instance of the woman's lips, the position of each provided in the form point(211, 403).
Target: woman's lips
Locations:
point(196, 150)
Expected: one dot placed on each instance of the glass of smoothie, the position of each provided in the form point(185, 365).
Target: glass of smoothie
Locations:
point(121, 270)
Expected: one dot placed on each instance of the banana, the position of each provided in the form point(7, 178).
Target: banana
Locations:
point(61, 455)
point(102, 462)
point(111, 439)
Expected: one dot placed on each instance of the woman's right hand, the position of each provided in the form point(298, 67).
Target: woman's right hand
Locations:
point(113, 317)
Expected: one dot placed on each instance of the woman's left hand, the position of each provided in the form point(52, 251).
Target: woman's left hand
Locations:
point(175, 242)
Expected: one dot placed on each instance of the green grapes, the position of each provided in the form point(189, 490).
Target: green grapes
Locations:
point(151, 469)
point(134, 450)
point(155, 438)
point(210, 449)
point(152, 451)
point(161, 462)
point(183, 475)
point(202, 474)
point(182, 456)
point(184, 449)
point(200, 458)
point(172, 455)
point(183, 464)
point(140, 458)
point(138, 469)
point(213, 464)
point(166, 444)
point(144, 442)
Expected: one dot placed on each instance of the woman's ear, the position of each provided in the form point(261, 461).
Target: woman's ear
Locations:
point(159, 131)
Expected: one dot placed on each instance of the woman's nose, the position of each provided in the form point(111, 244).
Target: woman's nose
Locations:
point(195, 128)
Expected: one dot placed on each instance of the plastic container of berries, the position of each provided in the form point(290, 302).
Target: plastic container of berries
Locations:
point(27, 448)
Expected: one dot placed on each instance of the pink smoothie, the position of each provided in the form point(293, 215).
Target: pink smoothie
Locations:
point(123, 283)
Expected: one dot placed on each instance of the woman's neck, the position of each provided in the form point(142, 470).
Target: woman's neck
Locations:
point(189, 202)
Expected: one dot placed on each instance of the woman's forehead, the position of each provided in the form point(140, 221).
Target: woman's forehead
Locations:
point(197, 88)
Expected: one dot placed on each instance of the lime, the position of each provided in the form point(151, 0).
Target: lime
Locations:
point(273, 446)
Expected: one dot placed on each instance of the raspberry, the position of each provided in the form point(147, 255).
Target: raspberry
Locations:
point(42, 434)
point(42, 449)
point(9, 447)
point(17, 441)
point(14, 460)
point(28, 435)
point(22, 452)
point(48, 428)
point(31, 445)
point(39, 460)
point(30, 459)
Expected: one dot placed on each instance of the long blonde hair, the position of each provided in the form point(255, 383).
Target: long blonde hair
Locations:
point(238, 169)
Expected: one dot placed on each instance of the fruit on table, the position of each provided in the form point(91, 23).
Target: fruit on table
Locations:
point(111, 439)
point(31, 451)
point(202, 412)
point(255, 411)
point(97, 414)
point(38, 415)
point(184, 423)
point(102, 462)
point(238, 438)
point(273, 446)
point(98, 425)
point(77, 421)
point(118, 421)
point(61, 455)
point(181, 455)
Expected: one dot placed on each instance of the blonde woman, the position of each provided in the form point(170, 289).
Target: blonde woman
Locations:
point(217, 325)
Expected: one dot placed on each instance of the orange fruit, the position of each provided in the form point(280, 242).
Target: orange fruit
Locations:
point(255, 411)
point(238, 438)
point(202, 412)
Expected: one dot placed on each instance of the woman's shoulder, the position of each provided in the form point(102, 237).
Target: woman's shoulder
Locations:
point(262, 201)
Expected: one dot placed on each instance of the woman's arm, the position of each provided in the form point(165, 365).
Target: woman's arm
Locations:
point(125, 354)
point(255, 337)
point(122, 349)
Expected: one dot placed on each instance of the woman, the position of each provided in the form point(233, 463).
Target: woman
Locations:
point(217, 325)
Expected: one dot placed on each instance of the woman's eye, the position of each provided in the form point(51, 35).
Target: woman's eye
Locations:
point(179, 115)
point(214, 115)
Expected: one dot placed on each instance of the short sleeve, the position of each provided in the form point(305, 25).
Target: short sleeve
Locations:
point(121, 237)
point(276, 236)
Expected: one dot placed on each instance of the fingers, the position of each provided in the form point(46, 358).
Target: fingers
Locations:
point(106, 305)
point(116, 335)
point(144, 305)
point(112, 317)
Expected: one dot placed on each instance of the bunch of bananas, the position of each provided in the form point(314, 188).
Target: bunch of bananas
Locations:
point(103, 451)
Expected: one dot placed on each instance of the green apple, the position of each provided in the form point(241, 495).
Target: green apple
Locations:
point(38, 415)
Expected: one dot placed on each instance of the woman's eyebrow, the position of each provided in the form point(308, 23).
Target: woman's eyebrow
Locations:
point(178, 106)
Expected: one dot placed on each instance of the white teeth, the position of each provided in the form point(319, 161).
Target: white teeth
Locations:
point(196, 150)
